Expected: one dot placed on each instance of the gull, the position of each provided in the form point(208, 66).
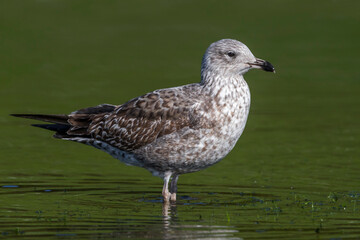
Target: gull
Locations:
point(171, 131)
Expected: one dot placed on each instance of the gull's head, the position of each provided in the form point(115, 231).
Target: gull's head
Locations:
point(230, 57)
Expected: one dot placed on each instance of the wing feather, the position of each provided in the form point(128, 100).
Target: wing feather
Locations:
point(146, 118)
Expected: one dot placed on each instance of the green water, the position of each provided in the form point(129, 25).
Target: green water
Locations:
point(294, 174)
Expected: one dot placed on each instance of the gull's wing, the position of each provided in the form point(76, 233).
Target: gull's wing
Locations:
point(133, 124)
point(141, 120)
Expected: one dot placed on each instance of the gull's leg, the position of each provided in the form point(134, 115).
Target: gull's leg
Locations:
point(173, 187)
point(165, 190)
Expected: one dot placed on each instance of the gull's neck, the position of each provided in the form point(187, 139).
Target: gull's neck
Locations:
point(214, 82)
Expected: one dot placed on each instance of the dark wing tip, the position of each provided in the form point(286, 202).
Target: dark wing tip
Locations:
point(53, 127)
point(17, 115)
point(55, 118)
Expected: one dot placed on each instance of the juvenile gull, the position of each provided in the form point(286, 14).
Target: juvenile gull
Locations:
point(175, 130)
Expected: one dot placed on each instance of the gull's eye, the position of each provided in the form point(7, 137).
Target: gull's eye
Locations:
point(231, 54)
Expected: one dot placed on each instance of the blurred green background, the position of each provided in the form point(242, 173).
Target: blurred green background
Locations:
point(303, 129)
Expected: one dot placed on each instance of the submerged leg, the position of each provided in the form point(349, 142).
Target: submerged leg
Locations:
point(173, 187)
point(165, 190)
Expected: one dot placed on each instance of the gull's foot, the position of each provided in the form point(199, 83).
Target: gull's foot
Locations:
point(166, 196)
point(173, 197)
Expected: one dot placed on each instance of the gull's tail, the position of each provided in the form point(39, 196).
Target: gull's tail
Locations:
point(59, 119)
point(58, 123)
point(69, 126)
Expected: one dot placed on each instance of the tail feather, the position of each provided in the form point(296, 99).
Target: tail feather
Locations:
point(73, 125)
point(63, 125)
point(59, 118)
point(53, 127)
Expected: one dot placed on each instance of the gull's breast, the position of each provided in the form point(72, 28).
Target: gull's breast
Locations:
point(192, 149)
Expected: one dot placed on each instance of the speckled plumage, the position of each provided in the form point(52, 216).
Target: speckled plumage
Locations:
point(176, 130)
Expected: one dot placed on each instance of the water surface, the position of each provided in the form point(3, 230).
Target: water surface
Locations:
point(294, 174)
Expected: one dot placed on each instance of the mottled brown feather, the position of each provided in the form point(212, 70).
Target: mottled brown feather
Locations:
point(144, 119)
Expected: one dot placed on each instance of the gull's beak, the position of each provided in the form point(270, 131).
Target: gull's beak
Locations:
point(264, 65)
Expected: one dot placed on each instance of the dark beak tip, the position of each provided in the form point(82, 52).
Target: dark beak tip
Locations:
point(268, 67)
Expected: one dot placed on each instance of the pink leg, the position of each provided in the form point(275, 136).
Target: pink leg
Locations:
point(165, 191)
point(173, 187)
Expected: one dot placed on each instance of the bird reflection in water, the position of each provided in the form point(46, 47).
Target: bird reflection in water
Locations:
point(172, 227)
